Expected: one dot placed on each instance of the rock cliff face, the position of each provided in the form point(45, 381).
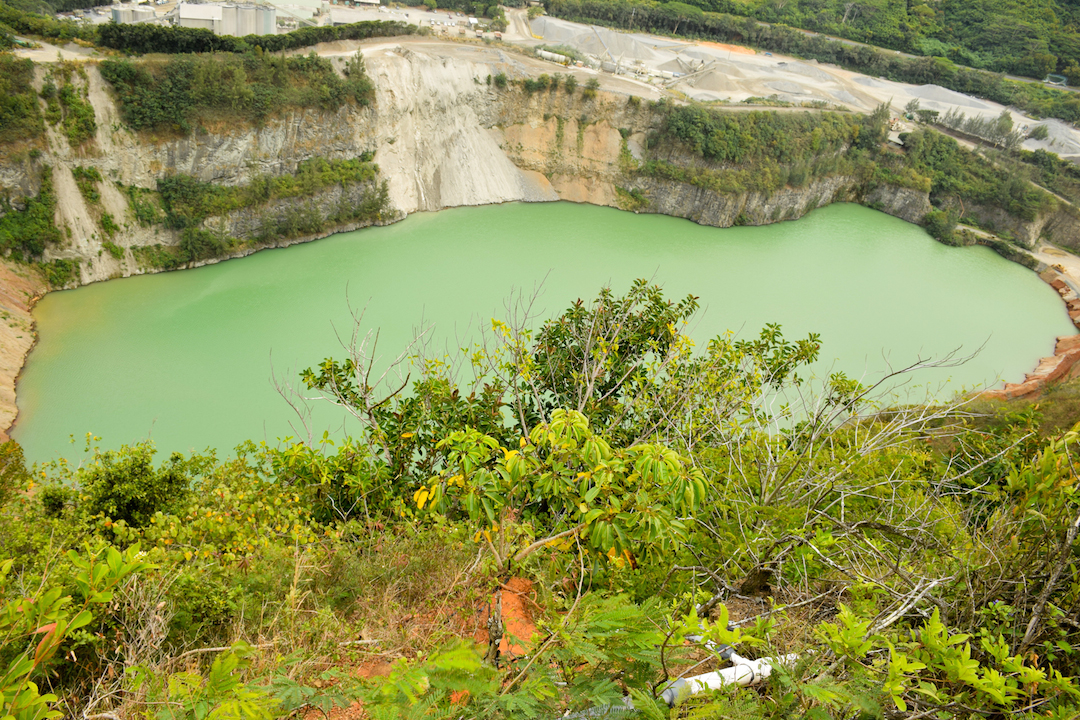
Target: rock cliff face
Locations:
point(1060, 225)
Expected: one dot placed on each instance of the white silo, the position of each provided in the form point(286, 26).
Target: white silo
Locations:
point(267, 20)
point(246, 20)
point(228, 20)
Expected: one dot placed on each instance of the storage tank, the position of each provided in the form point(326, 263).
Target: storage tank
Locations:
point(122, 15)
point(553, 57)
point(246, 20)
point(141, 14)
point(228, 19)
point(267, 20)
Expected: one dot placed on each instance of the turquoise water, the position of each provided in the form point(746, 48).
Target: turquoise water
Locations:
point(187, 358)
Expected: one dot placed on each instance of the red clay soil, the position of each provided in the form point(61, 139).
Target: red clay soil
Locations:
point(518, 605)
point(1064, 364)
point(518, 602)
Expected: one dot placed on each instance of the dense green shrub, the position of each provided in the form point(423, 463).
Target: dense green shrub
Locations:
point(956, 171)
point(180, 92)
point(126, 486)
point(87, 179)
point(60, 272)
point(25, 233)
point(20, 118)
point(13, 475)
point(113, 249)
point(143, 204)
point(738, 138)
point(78, 122)
point(188, 201)
point(66, 102)
point(940, 225)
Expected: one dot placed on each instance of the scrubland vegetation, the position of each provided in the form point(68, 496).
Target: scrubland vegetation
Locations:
point(20, 117)
point(25, 231)
point(182, 203)
point(915, 557)
point(181, 92)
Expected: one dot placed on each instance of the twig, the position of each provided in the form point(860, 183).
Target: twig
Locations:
point(899, 613)
point(541, 543)
point(198, 651)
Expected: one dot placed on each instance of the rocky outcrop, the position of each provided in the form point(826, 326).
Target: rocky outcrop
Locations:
point(708, 207)
point(905, 203)
point(262, 225)
point(1060, 225)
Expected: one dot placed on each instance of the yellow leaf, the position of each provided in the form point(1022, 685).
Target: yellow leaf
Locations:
point(406, 436)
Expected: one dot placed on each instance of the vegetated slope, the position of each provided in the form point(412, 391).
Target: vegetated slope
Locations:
point(914, 558)
point(180, 92)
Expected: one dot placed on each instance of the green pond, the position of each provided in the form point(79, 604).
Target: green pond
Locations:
point(187, 358)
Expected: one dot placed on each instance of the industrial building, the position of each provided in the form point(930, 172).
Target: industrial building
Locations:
point(229, 19)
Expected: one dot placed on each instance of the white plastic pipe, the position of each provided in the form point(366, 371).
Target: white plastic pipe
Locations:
point(744, 672)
